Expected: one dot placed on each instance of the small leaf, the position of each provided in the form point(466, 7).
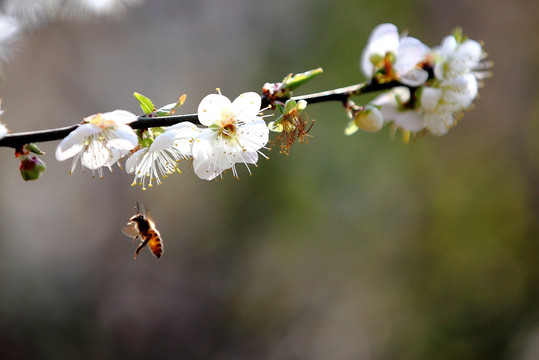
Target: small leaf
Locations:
point(145, 104)
point(157, 131)
point(146, 142)
point(297, 80)
point(289, 105)
point(32, 147)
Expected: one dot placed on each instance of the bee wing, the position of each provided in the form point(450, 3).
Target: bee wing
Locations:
point(148, 214)
point(130, 230)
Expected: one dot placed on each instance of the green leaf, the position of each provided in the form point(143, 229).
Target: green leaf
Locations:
point(32, 147)
point(289, 105)
point(156, 131)
point(297, 80)
point(145, 104)
point(146, 142)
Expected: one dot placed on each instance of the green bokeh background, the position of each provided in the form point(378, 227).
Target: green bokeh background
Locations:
point(354, 247)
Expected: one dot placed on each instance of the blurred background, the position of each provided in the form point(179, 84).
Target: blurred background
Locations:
point(354, 247)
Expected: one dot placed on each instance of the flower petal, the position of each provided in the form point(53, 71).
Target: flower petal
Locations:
point(132, 161)
point(384, 38)
point(122, 138)
point(120, 117)
point(74, 141)
point(430, 97)
point(254, 136)
point(246, 107)
point(211, 108)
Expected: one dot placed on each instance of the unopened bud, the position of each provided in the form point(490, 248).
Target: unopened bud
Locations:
point(370, 119)
point(31, 168)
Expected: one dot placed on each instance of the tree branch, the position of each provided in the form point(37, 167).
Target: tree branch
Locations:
point(17, 140)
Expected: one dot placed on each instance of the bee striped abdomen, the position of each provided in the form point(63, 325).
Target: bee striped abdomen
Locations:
point(155, 243)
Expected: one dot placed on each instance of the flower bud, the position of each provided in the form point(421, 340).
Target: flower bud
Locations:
point(31, 168)
point(370, 119)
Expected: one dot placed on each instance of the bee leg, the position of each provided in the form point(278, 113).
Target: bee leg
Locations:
point(140, 247)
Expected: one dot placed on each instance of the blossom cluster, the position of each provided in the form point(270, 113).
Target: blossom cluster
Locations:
point(438, 84)
point(425, 90)
point(230, 133)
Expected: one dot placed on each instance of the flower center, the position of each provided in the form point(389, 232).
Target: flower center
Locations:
point(227, 125)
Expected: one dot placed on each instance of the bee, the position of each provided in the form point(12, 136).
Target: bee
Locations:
point(142, 227)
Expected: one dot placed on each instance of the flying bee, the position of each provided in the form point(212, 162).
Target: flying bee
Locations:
point(142, 227)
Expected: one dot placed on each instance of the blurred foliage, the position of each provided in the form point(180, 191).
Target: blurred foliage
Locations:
point(354, 247)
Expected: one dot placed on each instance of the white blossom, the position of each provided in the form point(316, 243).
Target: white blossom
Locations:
point(408, 51)
point(100, 142)
point(235, 134)
point(393, 110)
point(438, 104)
point(457, 71)
point(161, 157)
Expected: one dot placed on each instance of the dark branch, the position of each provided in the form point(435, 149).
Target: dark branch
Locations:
point(17, 140)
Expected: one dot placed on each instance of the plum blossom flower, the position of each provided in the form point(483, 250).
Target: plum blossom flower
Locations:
point(235, 134)
point(161, 158)
point(439, 103)
point(396, 58)
point(100, 141)
point(458, 72)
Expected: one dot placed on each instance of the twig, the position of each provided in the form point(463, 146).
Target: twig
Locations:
point(17, 140)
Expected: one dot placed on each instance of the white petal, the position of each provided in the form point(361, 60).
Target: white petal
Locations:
point(411, 52)
point(470, 52)
point(120, 117)
point(132, 161)
point(248, 157)
point(203, 164)
point(211, 108)
point(430, 97)
point(449, 45)
point(184, 135)
point(122, 138)
point(162, 141)
point(410, 120)
point(254, 136)
point(246, 106)
point(415, 77)
point(73, 143)
point(115, 155)
point(383, 38)
point(95, 156)
point(439, 123)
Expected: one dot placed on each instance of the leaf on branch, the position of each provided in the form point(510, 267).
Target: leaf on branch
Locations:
point(145, 104)
point(293, 82)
